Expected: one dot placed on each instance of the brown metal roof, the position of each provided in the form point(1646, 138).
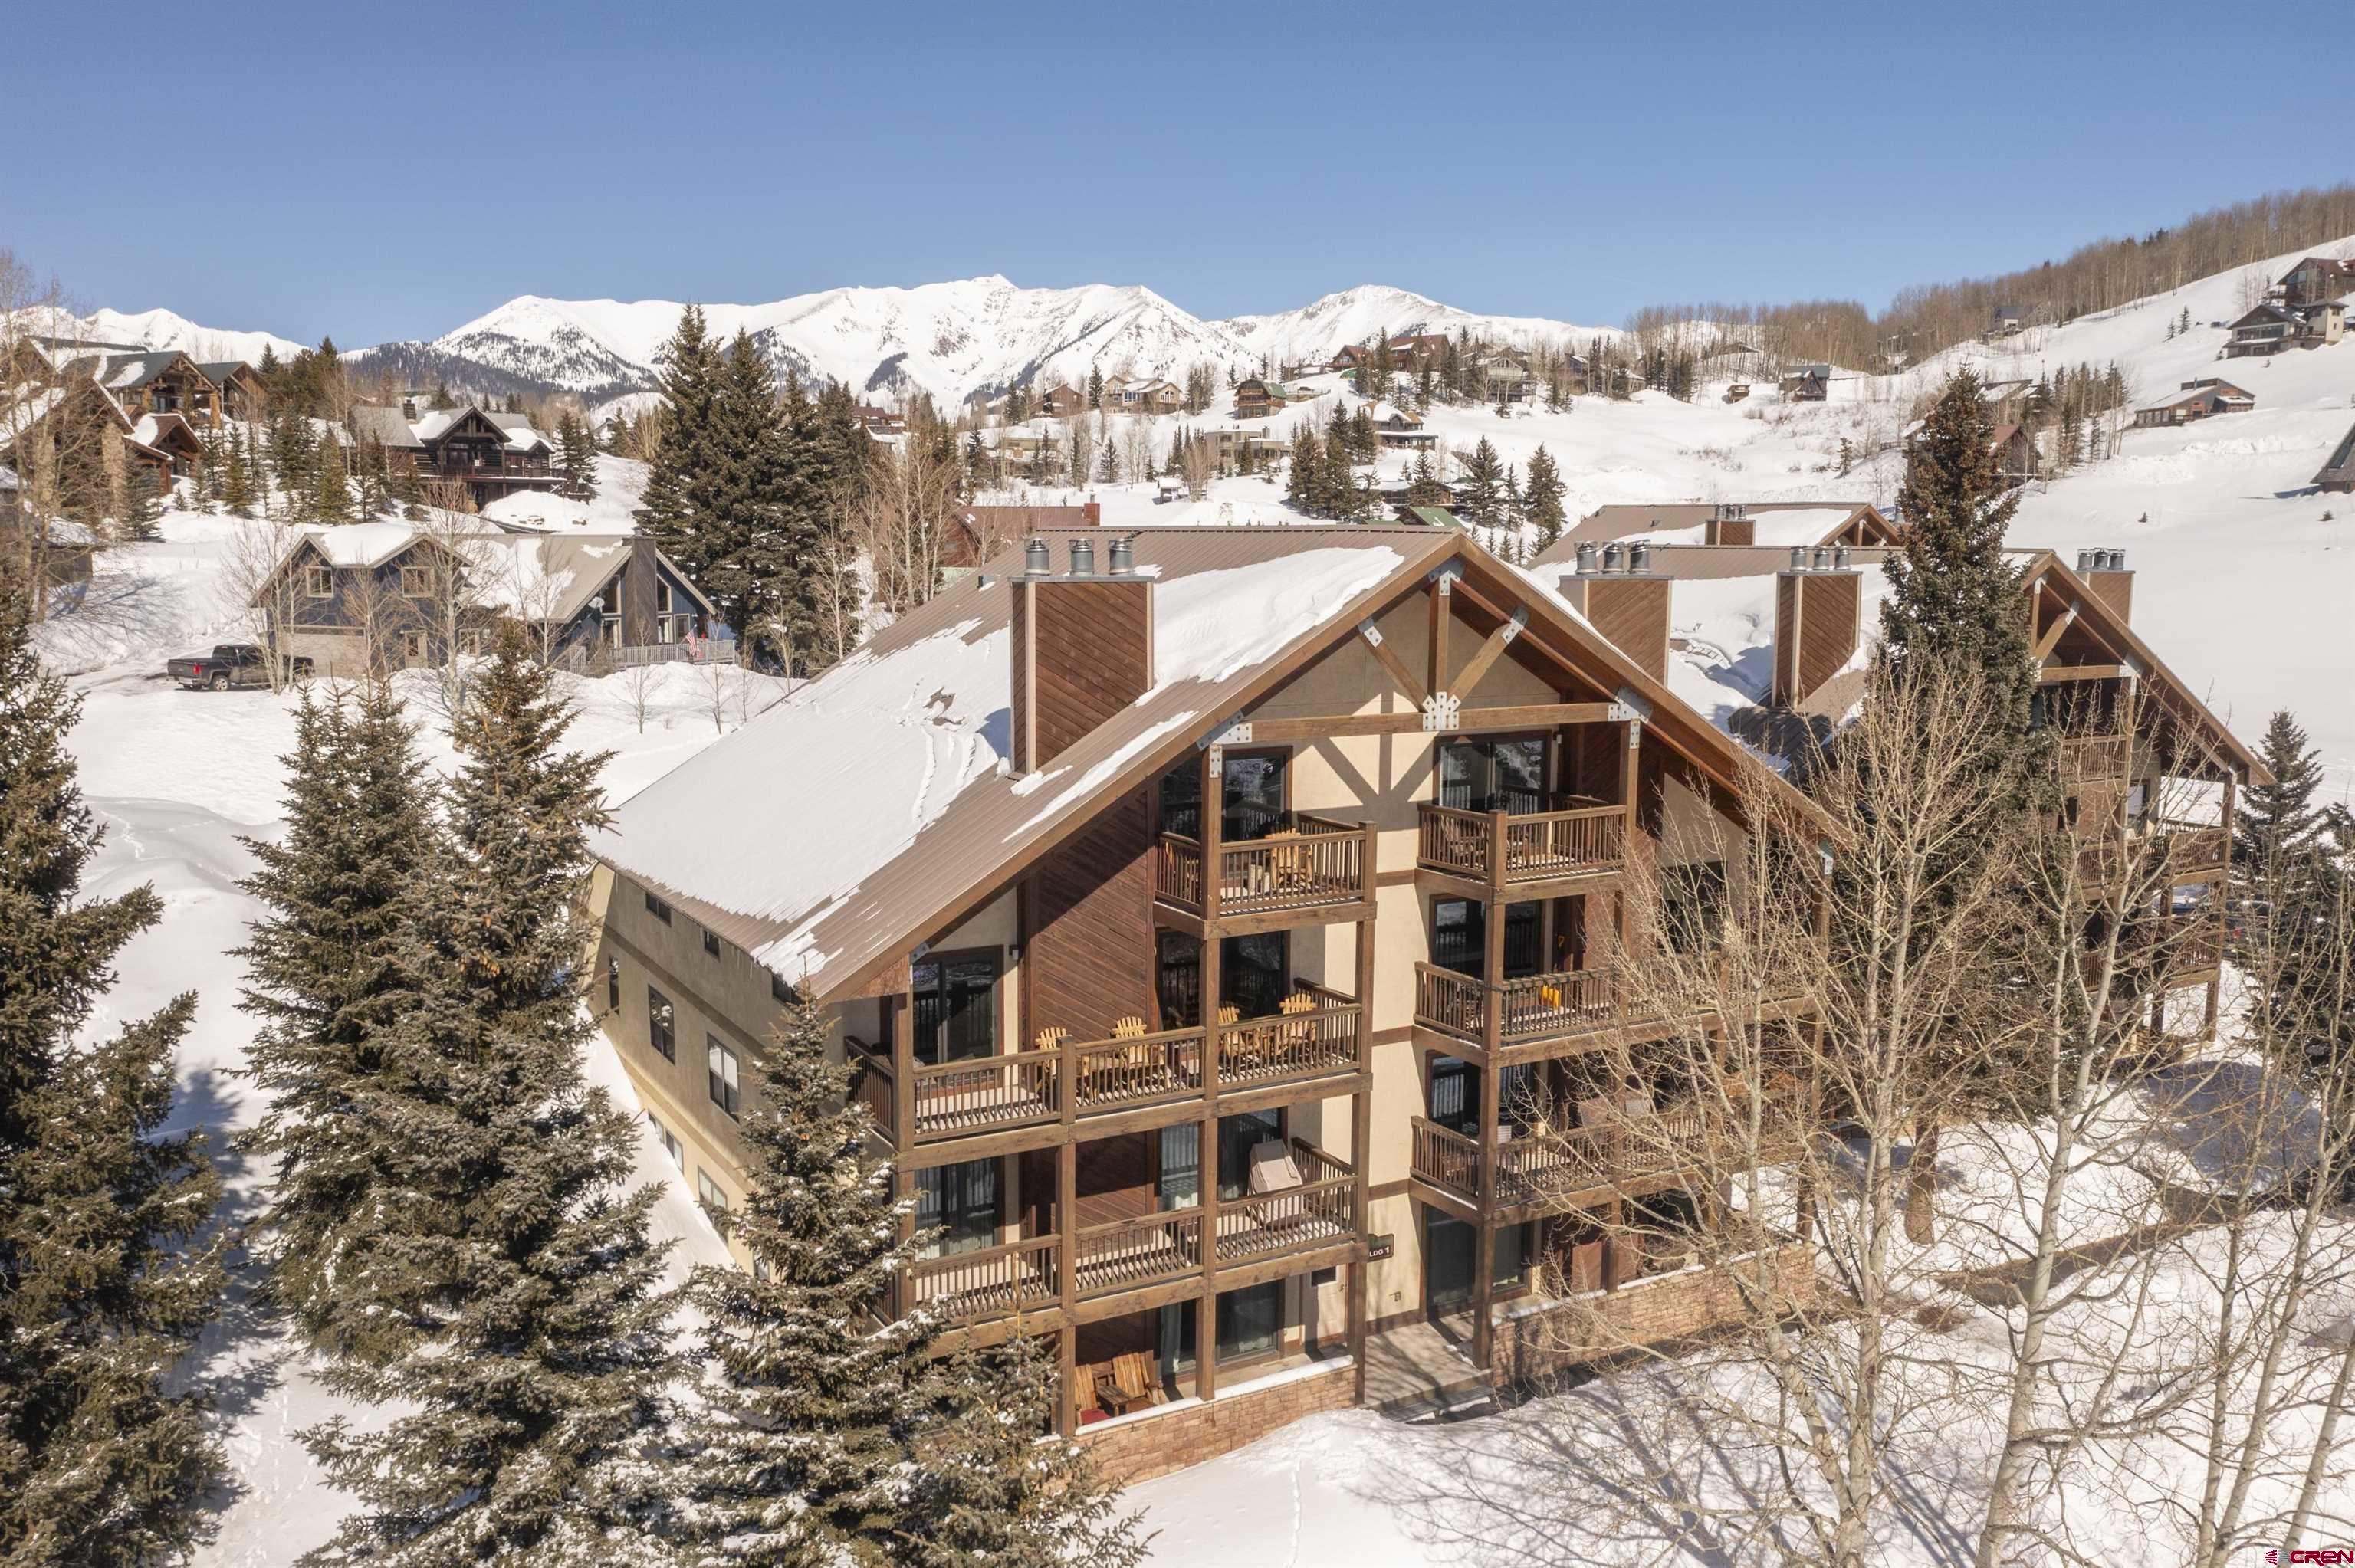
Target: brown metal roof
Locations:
point(989, 831)
point(1620, 520)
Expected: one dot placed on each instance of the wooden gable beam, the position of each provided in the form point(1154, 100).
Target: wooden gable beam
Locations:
point(1442, 611)
point(2052, 634)
point(1485, 657)
point(1386, 657)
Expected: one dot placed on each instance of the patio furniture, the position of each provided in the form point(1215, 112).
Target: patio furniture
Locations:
point(1130, 1382)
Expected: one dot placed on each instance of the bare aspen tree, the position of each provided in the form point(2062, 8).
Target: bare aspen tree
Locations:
point(1196, 464)
point(638, 678)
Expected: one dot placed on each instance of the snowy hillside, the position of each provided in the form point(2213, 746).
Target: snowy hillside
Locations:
point(163, 329)
point(1317, 331)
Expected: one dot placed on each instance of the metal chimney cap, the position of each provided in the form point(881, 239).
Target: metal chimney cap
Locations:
point(1084, 558)
point(1612, 555)
point(1036, 560)
point(1798, 558)
point(1639, 557)
point(1586, 559)
point(1823, 559)
point(1120, 558)
point(1839, 558)
point(2084, 559)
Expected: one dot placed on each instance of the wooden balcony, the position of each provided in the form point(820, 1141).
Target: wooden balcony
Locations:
point(1501, 850)
point(1580, 1165)
point(1309, 1220)
point(2086, 759)
point(1536, 1007)
point(2187, 848)
point(1312, 865)
point(1073, 1081)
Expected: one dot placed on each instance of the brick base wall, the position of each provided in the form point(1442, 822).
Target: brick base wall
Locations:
point(1185, 1435)
point(1642, 1312)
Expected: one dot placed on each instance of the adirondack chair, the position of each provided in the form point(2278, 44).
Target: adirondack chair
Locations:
point(1130, 1382)
point(1123, 1069)
point(1048, 1039)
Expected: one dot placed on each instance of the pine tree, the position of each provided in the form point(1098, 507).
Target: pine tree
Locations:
point(1303, 481)
point(1483, 486)
point(1095, 387)
point(2278, 822)
point(332, 965)
point(104, 1281)
point(576, 456)
point(1541, 499)
point(676, 511)
point(441, 399)
point(1952, 597)
point(239, 495)
point(524, 1347)
point(826, 1438)
point(331, 490)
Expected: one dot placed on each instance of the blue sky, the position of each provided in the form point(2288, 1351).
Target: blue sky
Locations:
point(379, 172)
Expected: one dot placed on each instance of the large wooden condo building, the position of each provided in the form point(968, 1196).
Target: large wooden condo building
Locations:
point(1202, 910)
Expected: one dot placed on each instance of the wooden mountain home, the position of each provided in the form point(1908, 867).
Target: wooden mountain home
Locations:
point(1504, 378)
point(490, 454)
point(2008, 402)
point(2273, 326)
point(1412, 352)
point(61, 395)
point(372, 597)
point(1807, 384)
point(1143, 395)
point(1243, 1034)
point(1063, 401)
point(2316, 279)
point(2015, 452)
point(2197, 400)
point(1257, 397)
point(2338, 471)
point(163, 381)
point(1396, 427)
point(879, 423)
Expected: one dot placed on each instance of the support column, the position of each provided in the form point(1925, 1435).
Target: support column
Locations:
point(1484, 1251)
point(1213, 826)
point(898, 1019)
point(2224, 898)
point(1067, 1379)
point(1361, 1111)
point(1206, 1311)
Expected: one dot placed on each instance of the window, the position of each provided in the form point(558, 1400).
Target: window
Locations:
point(711, 943)
point(658, 908)
point(960, 1202)
point(1692, 905)
point(671, 1144)
point(1238, 1136)
point(778, 988)
point(709, 1191)
point(955, 1006)
point(416, 582)
point(1459, 936)
point(1177, 1178)
point(1249, 1321)
point(1252, 973)
point(319, 582)
point(412, 647)
point(720, 1066)
point(1494, 775)
point(612, 984)
point(1251, 790)
point(660, 1025)
point(661, 598)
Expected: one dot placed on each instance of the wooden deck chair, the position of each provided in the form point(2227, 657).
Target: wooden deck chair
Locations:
point(1048, 1039)
point(1129, 1028)
point(1229, 1013)
point(1131, 1382)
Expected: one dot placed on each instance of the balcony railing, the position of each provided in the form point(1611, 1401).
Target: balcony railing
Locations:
point(1018, 1277)
point(1320, 1211)
point(1313, 861)
point(1502, 849)
point(2097, 757)
point(1127, 1254)
point(1633, 1146)
point(987, 1093)
point(1534, 1007)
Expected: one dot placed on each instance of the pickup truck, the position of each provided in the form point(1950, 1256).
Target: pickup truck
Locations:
point(229, 664)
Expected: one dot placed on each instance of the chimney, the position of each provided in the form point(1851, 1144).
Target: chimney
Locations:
point(409, 409)
point(1729, 524)
point(2111, 581)
point(1628, 602)
point(1082, 646)
point(1818, 616)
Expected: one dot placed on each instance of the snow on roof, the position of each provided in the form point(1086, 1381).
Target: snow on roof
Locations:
point(823, 831)
point(361, 543)
point(1782, 528)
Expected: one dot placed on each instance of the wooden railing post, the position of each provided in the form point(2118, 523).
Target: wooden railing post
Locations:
point(1495, 853)
point(1206, 1311)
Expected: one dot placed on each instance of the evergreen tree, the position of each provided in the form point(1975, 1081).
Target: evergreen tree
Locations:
point(331, 967)
point(522, 1346)
point(441, 399)
point(240, 496)
point(103, 1282)
point(1303, 481)
point(1541, 499)
point(1952, 594)
point(1483, 486)
point(1095, 387)
point(331, 490)
point(678, 512)
point(826, 1438)
point(2277, 823)
point(1423, 487)
point(576, 456)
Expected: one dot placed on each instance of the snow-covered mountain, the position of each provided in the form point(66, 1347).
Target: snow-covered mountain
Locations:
point(1317, 331)
point(164, 329)
point(955, 341)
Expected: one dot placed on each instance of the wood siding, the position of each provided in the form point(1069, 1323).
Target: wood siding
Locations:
point(1632, 611)
point(1088, 947)
point(1816, 629)
point(1082, 652)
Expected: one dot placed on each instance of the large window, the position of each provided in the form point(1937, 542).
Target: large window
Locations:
point(1459, 936)
point(1238, 1136)
point(660, 1025)
point(1450, 1256)
point(1494, 775)
point(612, 984)
point(1177, 1176)
point(319, 582)
point(955, 1006)
point(720, 1066)
point(709, 1191)
point(960, 1202)
point(1250, 1320)
point(1252, 973)
point(1252, 786)
point(1692, 905)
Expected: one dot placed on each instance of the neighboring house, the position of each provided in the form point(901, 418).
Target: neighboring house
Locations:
point(2317, 279)
point(2273, 326)
point(879, 423)
point(57, 394)
point(1410, 353)
point(1504, 378)
point(2337, 473)
point(387, 596)
point(237, 391)
point(1143, 394)
point(1807, 384)
point(1019, 446)
point(1394, 427)
point(1228, 443)
point(491, 454)
point(2015, 452)
point(979, 848)
point(1257, 397)
point(164, 381)
point(1063, 401)
point(2008, 402)
point(1779, 524)
point(2197, 400)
